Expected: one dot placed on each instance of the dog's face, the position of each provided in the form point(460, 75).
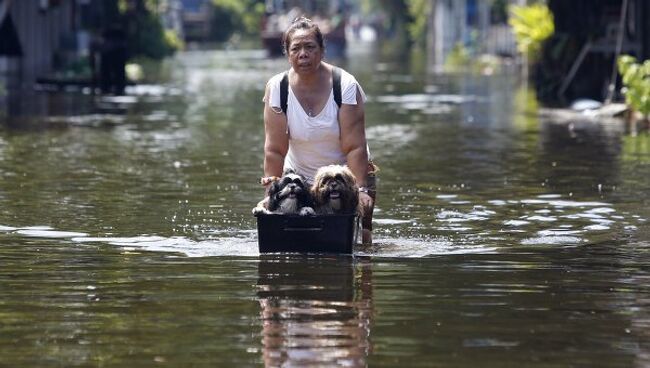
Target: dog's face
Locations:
point(335, 190)
point(288, 195)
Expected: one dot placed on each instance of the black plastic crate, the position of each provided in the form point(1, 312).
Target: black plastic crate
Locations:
point(306, 234)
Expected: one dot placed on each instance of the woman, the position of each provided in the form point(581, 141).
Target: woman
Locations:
point(314, 131)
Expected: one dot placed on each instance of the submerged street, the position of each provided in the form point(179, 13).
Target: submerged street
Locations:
point(502, 238)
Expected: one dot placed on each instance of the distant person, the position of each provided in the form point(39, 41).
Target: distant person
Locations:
point(112, 64)
point(314, 131)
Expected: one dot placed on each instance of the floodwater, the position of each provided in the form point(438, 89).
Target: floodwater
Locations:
point(502, 239)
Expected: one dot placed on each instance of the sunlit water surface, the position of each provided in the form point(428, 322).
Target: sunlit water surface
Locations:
point(502, 239)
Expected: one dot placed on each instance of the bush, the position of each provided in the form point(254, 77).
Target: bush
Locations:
point(532, 25)
point(236, 17)
point(636, 83)
point(147, 37)
point(458, 58)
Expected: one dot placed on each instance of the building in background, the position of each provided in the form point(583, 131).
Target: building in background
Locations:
point(577, 62)
point(59, 42)
point(471, 24)
point(330, 15)
point(196, 18)
point(171, 14)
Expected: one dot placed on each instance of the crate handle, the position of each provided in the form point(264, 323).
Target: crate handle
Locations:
point(303, 229)
point(308, 228)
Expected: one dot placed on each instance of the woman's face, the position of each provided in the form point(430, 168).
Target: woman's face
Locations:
point(304, 52)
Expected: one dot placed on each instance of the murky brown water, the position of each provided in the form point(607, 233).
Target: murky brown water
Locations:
point(503, 240)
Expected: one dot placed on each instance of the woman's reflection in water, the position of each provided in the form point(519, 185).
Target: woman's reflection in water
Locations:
point(315, 311)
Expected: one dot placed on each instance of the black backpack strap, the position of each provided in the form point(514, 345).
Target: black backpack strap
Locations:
point(336, 85)
point(284, 92)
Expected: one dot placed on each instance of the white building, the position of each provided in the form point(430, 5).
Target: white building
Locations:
point(466, 23)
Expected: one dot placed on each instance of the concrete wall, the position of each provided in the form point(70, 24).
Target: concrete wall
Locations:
point(448, 26)
point(40, 32)
point(644, 13)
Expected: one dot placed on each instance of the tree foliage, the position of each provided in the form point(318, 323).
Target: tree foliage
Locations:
point(418, 12)
point(146, 37)
point(396, 14)
point(636, 82)
point(405, 19)
point(231, 16)
point(145, 34)
point(532, 25)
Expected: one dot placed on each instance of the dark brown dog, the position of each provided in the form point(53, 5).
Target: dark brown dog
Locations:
point(335, 191)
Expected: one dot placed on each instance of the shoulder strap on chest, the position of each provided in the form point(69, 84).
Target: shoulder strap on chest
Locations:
point(284, 92)
point(336, 88)
point(336, 85)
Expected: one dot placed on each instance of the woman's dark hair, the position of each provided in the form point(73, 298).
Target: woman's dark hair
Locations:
point(301, 23)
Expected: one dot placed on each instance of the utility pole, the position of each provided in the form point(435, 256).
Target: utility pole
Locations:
point(619, 44)
point(4, 9)
point(431, 34)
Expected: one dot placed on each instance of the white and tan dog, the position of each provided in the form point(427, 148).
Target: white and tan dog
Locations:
point(335, 191)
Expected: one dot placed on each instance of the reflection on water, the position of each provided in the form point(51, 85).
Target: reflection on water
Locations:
point(126, 235)
point(315, 311)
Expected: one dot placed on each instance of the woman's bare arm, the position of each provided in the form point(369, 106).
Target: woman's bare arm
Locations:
point(353, 139)
point(276, 142)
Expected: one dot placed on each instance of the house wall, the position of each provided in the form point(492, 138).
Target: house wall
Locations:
point(40, 33)
point(447, 29)
point(196, 18)
point(450, 23)
point(589, 28)
point(645, 14)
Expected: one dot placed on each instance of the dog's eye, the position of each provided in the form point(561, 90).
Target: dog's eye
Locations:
point(297, 181)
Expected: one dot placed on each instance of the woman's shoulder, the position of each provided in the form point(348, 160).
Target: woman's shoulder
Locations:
point(273, 90)
point(275, 80)
point(349, 87)
point(347, 78)
point(344, 73)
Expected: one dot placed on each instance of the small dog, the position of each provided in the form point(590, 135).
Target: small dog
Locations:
point(287, 195)
point(335, 191)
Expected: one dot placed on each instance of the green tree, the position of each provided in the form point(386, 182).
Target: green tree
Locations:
point(236, 16)
point(418, 15)
point(636, 82)
point(499, 11)
point(145, 35)
point(397, 14)
point(532, 25)
point(406, 20)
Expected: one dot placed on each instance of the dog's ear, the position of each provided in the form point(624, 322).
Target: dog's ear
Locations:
point(350, 179)
point(354, 201)
point(274, 189)
point(353, 190)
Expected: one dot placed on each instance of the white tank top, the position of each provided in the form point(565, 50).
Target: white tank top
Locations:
point(314, 140)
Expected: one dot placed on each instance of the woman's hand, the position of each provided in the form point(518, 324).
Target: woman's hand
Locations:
point(365, 201)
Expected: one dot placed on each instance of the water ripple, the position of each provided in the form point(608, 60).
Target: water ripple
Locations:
point(457, 228)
